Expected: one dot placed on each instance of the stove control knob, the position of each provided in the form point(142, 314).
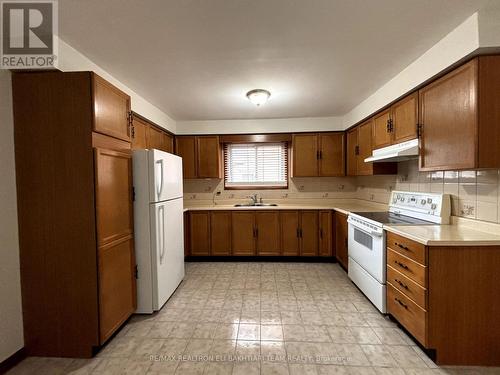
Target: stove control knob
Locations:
point(429, 200)
point(433, 206)
point(423, 202)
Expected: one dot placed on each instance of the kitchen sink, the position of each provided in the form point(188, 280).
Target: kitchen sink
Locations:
point(255, 205)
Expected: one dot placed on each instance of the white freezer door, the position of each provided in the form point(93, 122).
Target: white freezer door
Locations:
point(165, 176)
point(167, 256)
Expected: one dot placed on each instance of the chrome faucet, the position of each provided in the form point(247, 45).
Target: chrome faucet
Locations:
point(254, 198)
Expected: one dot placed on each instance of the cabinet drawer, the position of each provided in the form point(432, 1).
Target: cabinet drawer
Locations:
point(407, 267)
point(407, 312)
point(406, 286)
point(408, 248)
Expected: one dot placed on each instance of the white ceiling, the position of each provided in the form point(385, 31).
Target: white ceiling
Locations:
point(196, 59)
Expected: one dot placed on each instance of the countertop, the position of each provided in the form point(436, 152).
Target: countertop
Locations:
point(460, 232)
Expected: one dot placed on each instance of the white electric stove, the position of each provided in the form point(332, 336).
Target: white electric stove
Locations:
point(367, 239)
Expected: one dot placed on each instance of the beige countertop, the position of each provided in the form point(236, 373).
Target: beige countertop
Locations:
point(460, 232)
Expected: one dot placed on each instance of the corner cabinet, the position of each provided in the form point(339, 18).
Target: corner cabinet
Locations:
point(318, 155)
point(201, 156)
point(359, 147)
point(460, 118)
point(74, 189)
point(147, 135)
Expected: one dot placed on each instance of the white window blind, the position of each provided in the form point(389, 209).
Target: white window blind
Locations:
point(256, 164)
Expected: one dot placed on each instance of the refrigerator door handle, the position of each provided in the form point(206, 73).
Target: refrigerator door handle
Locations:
point(162, 243)
point(159, 184)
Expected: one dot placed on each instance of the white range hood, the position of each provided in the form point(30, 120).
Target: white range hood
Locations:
point(399, 152)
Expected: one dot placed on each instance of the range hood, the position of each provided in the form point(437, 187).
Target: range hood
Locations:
point(399, 152)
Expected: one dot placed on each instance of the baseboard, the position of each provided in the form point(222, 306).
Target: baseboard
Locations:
point(13, 360)
point(255, 258)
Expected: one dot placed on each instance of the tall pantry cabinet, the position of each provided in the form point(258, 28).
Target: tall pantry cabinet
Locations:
point(74, 192)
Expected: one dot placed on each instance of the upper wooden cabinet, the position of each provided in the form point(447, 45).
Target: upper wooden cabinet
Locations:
point(397, 123)
point(318, 154)
point(359, 147)
point(111, 109)
point(147, 135)
point(201, 156)
point(460, 118)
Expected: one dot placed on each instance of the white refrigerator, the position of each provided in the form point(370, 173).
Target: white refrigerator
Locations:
point(158, 227)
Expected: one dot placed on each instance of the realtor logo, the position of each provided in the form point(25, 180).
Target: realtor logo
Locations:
point(28, 34)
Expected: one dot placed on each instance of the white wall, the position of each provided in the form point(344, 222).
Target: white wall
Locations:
point(489, 25)
point(11, 324)
point(69, 59)
point(282, 125)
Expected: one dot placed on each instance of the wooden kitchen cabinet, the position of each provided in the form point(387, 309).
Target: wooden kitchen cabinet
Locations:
point(201, 156)
point(147, 135)
point(325, 233)
point(220, 233)
point(359, 147)
point(443, 298)
point(74, 189)
point(199, 233)
point(208, 157)
point(290, 235)
point(318, 154)
point(341, 231)
point(267, 224)
point(309, 233)
point(381, 133)
point(243, 233)
point(155, 138)
point(140, 131)
point(460, 118)
point(111, 109)
point(168, 143)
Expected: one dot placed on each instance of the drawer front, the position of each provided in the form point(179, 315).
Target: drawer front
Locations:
point(407, 286)
point(406, 247)
point(407, 312)
point(407, 267)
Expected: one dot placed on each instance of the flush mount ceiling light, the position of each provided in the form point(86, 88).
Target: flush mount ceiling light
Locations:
point(258, 96)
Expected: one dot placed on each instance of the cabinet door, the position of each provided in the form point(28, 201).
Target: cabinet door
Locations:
point(111, 109)
point(381, 136)
point(117, 288)
point(199, 233)
point(341, 239)
point(305, 155)
point(365, 148)
point(209, 157)
point(220, 233)
point(404, 119)
point(352, 152)
point(140, 134)
point(290, 232)
point(309, 233)
point(185, 147)
point(331, 154)
point(268, 233)
point(168, 143)
point(325, 233)
point(113, 187)
point(243, 233)
point(155, 138)
point(448, 114)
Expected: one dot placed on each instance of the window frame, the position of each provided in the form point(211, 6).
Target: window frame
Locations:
point(258, 187)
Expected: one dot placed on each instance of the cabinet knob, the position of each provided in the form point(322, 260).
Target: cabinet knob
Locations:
point(401, 303)
point(401, 246)
point(401, 265)
point(403, 285)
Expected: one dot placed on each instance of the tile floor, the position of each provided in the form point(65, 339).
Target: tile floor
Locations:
point(258, 318)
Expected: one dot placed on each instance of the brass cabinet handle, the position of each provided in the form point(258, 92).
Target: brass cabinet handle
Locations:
point(401, 284)
point(401, 265)
point(401, 303)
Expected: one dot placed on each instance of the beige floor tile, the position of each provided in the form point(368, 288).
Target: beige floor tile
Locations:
point(273, 368)
point(248, 349)
point(218, 368)
point(190, 368)
point(205, 330)
point(332, 370)
point(161, 330)
point(246, 368)
point(226, 331)
point(390, 336)
point(271, 332)
point(270, 317)
point(249, 332)
point(379, 355)
point(406, 357)
point(364, 335)
point(223, 350)
point(174, 347)
point(301, 369)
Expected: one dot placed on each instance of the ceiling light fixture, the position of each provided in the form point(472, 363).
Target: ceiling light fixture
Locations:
point(258, 96)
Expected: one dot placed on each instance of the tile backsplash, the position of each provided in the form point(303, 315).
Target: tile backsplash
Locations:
point(474, 194)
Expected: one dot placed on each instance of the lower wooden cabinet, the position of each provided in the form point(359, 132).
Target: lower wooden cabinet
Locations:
point(243, 233)
point(199, 233)
point(262, 233)
point(267, 233)
point(341, 230)
point(220, 233)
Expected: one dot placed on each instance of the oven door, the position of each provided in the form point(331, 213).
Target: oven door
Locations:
point(367, 248)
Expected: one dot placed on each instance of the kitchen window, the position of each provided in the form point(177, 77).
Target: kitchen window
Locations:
point(256, 165)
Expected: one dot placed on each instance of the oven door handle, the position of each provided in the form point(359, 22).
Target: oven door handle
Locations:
point(370, 233)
